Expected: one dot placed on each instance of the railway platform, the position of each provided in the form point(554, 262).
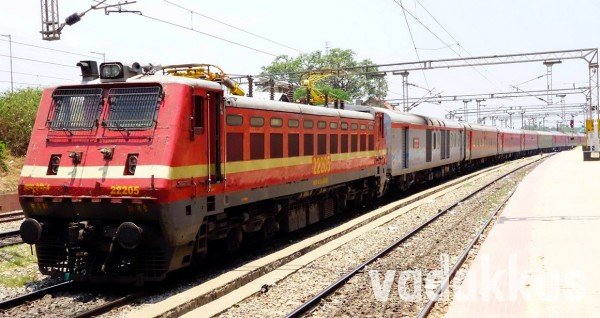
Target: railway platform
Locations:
point(541, 258)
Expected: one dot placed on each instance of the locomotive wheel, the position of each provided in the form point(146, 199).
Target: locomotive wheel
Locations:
point(234, 239)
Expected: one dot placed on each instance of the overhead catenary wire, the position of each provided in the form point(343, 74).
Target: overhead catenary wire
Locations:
point(49, 49)
point(37, 61)
point(232, 26)
point(414, 44)
point(450, 35)
point(38, 75)
point(441, 40)
point(204, 33)
point(21, 83)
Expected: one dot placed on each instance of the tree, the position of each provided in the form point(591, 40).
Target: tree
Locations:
point(17, 114)
point(355, 83)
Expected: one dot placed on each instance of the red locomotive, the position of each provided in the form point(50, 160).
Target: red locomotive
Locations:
point(133, 174)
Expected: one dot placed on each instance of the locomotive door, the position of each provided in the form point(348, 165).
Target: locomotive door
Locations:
point(214, 117)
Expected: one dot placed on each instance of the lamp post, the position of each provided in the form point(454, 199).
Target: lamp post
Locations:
point(11, 60)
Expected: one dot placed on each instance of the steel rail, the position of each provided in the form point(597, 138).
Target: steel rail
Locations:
point(108, 306)
point(9, 233)
point(13, 302)
point(311, 303)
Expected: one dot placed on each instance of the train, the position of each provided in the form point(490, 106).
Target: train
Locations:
point(140, 171)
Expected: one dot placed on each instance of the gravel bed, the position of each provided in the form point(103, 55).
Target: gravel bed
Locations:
point(292, 291)
point(9, 226)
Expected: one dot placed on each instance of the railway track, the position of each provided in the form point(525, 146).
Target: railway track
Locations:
point(11, 216)
point(10, 237)
point(309, 305)
point(20, 300)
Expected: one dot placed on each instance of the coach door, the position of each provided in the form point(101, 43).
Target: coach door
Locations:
point(214, 128)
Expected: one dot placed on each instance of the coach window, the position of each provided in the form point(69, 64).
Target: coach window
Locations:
point(293, 123)
point(257, 121)
point(434, 140)
point(276, 146)
point(344, 126)
point(333, 125)
point(257, 146)
point(308, 144)
point(308, 123)
point(321, 144)
point(321, 125)
point(333, 143)
point(276, 122)
point(234, 120)
point(293, 145)
point(354, 126)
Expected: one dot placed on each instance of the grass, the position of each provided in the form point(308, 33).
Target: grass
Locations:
point(17, 266)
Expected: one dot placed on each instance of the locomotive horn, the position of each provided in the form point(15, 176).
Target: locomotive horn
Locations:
point(31, 231)
point(129, 235)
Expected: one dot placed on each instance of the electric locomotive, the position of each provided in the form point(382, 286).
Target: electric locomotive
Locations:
point(139, 171)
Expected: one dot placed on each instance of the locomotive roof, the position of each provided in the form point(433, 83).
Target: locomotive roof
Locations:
point(249, 102)
point(164, 79)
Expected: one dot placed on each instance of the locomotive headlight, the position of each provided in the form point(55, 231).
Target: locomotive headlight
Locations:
point(53, 165)
point(111, 70)
point(132, 160)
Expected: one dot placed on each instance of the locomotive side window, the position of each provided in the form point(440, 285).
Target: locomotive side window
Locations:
point(308, 123)
point(321, 144)
point(293, 123)
point(344, 126)
point(198, 114)
point(276, 122)
point(234, 120)
point(363, 127)
point(333, 125)
point(344, 146)
point(308, 144)
point(293, 145)
point(75, 109)
point(321, 125)
point(134, 108)
point(353, 143)
point(363, 142)
point(333, 143)
point(276, 146)
point(257, 121)
point(354, 126)
point(371, 142)
point(257, 146)
point(235, 146)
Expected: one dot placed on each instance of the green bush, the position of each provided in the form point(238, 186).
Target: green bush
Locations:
point(17, 114)
point(3, 157)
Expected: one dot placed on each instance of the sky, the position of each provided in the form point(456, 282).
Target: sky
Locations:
point(376, 30)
